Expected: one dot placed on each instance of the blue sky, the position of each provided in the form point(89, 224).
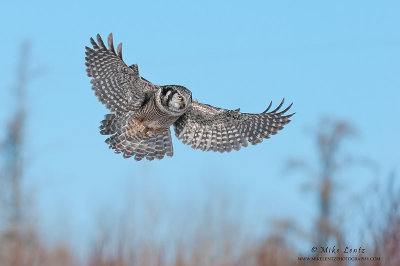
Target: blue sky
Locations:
point(339, 59)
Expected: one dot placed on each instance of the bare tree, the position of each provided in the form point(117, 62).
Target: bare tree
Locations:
point(13, 145)
point(329, 137)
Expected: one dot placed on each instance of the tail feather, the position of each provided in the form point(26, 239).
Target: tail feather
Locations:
point(148, 148)
point(153, 147)
point(167, 143)
point(159, 148)
point(125, 141)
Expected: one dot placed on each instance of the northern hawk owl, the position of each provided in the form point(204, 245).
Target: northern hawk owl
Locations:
point(142, 113)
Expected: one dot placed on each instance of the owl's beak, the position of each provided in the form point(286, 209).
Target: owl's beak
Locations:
point(185, 104)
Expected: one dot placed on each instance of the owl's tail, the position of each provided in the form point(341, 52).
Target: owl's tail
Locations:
point(151, 147)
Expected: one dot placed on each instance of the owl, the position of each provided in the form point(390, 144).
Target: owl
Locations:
point(142, 113)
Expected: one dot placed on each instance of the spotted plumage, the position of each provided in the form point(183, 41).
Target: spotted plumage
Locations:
point(142, 113)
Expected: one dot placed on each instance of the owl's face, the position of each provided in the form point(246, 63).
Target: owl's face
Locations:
point(176, 98)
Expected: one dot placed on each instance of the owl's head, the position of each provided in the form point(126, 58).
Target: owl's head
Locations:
point(175, 98)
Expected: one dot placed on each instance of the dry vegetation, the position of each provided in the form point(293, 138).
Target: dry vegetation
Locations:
point(214, 240)
point(221, 247)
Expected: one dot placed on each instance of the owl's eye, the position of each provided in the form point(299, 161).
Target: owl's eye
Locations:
point(180, 98)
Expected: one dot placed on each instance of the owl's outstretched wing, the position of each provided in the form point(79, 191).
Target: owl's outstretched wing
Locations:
point(116, 85)
point(210, 128)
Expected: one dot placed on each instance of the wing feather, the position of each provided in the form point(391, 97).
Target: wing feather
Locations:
point(210, 128)
point(116, 85)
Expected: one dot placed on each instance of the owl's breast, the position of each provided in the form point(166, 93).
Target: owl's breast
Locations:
point(153, 118)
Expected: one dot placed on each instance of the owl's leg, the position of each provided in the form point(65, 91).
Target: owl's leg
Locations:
point(147, 132)
point(138, 128)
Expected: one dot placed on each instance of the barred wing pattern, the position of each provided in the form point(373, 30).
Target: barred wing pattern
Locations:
point(116, 85)
point(210, 128)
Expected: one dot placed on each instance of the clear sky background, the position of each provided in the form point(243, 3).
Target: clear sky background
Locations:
point(336, 58)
